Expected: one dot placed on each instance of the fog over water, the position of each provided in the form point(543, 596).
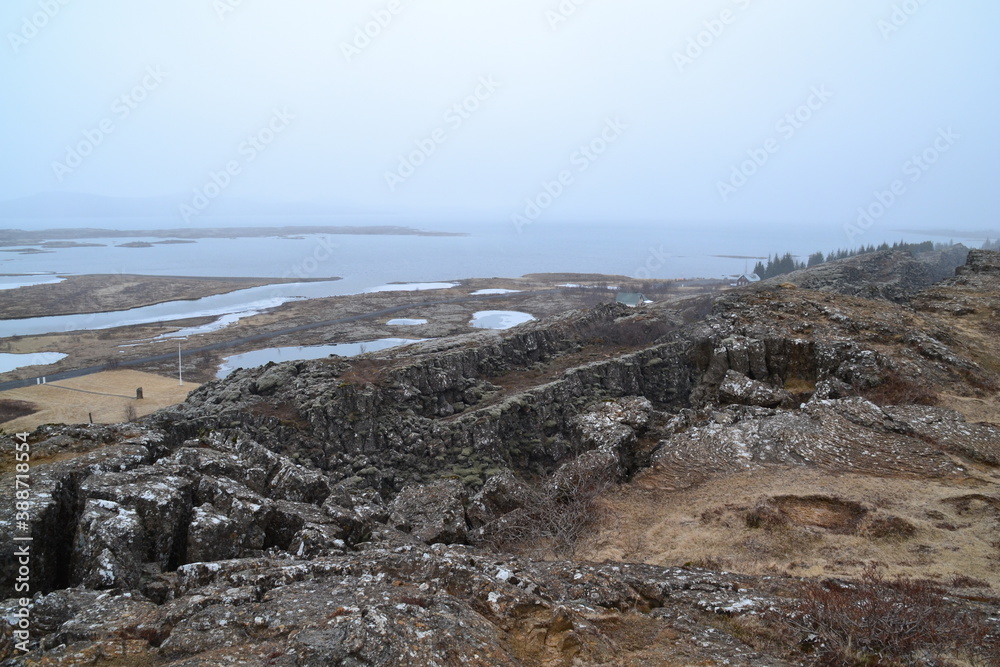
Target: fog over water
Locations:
point(684, 117)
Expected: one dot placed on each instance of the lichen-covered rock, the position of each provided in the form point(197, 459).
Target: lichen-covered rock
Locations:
point(213, 535)
point(162, 499)
point(111, 546)
point(741, 390)
point(502, 493)
point(431, 513)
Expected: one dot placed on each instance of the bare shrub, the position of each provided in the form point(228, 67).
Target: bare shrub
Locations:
point(130, 413)
point(553, 518)
point(766, 517)
point(890, 528)
point(964, 581)
point(364, 372)
point(879, 622)
point(12, 409)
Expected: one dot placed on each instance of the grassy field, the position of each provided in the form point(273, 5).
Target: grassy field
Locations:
point(108, 396)
point(799, 521)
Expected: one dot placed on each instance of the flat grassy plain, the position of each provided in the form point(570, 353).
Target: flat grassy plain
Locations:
point(106, 395)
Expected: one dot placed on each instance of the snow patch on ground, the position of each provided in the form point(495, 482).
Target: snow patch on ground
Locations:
point(409, 287)
point(9, 361)
point(499, 319)
point(405, 322)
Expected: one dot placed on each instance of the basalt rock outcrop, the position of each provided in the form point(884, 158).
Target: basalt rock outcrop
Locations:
point(345, 512)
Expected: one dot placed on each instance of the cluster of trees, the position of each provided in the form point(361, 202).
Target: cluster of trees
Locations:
point(779, 265)
point(991, 245)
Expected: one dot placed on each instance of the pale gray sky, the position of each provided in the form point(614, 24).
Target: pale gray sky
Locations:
point(668, 119)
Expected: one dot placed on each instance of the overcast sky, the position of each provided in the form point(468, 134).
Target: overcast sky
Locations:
point(670, 98)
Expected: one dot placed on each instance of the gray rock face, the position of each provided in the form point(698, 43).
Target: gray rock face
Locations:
point(981, 262)
point(890, 275)
point(741, 390)
point(828, 433)
point(432, 513)
point(161, 498)
point(406, 414)
point(412, 605)
point(502, 493)
point(111, 547)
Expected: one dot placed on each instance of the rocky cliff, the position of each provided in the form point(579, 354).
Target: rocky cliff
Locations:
point(432, 505)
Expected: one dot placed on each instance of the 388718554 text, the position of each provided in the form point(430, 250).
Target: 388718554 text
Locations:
point(22, 541)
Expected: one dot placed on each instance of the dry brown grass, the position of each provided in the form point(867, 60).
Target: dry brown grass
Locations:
point(974, 409)
point(898, 390)
point(365, 372)
point(59, 404)
point(918, 527)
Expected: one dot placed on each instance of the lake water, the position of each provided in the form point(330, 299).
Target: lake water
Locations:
point(368, 261)
point(9, 362)
point(302, 352)
point(373, 262)
point(242, 302)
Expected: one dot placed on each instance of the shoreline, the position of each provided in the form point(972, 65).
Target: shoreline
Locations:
point(95, 293)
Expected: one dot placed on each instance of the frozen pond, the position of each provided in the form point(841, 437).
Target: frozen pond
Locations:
point(404, 322)
point(242, 303)
point(499, 319)
point(298, 353)
point(221, 323)
point(495, 290)
point(13, 282)
point(9, 362)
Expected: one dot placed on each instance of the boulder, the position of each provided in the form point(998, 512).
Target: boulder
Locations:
point(741, 390)
point(432, 513)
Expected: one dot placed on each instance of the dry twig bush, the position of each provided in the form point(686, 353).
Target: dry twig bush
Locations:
point(553, 519)
point(900, 622)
